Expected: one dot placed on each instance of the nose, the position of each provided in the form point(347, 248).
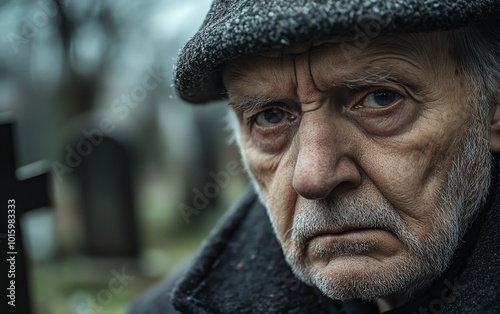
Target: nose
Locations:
point(325, 162)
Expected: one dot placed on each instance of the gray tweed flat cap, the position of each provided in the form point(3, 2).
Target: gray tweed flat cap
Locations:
point(239, 27)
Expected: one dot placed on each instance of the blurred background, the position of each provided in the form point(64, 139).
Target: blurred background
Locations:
point(135, 179)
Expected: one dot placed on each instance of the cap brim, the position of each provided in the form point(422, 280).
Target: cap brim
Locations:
point(236, 28)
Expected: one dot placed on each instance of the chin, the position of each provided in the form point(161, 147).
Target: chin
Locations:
point(362, 277)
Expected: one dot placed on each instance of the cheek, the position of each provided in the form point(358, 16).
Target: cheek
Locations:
point(273, 174)
point(273, 141)
point(412, 171)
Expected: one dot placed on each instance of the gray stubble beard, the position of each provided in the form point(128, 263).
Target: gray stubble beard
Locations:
point(458, 203)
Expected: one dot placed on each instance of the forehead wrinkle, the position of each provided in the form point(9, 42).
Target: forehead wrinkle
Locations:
point(419, 49)
point(234, 71)
point(372, 67)
point(309, 94)
point(414, 54)
point(370, 77)
point(414, 46)
point(377, 73)
point(267, 75)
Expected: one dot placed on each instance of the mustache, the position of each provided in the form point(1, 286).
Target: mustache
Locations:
point(325, 216)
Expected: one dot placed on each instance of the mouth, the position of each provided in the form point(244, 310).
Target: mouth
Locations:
point(345, 230)
point(346, 235)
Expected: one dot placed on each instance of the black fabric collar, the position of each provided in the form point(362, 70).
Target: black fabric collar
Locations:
point(242, 270)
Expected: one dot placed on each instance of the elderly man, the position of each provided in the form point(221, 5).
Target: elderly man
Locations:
point(369, 130)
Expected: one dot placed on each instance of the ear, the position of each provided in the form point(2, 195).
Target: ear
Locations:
point(495, 129)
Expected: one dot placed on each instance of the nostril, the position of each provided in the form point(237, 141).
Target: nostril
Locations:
point(345, 186)
point(312, 193)
point(322, 190)
point(318, 183)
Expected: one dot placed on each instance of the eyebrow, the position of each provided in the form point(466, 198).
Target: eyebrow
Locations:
point(371, 78)
point(252, 102)
point(366, 79)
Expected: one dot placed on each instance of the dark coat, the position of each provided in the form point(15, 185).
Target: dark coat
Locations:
point(242, 270)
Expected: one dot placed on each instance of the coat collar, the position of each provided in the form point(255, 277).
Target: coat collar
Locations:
point(242, 270)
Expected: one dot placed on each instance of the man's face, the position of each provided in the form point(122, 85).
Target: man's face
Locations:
point(363, 165)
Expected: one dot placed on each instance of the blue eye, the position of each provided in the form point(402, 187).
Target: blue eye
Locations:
point(271, 117)
point(379, 99)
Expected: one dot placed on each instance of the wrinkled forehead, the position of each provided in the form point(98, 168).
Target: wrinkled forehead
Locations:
point(423, 51)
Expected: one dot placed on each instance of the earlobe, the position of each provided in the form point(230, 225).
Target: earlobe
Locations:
point(495, 130)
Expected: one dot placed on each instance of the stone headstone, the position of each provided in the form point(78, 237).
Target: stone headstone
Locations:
point(106, 177)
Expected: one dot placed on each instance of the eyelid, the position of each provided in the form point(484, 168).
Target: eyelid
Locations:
point(287, 116)
point(354, 100)
point(251, 117)
point(276, 104)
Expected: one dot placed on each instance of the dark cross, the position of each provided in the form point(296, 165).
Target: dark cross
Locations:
point(27, 194)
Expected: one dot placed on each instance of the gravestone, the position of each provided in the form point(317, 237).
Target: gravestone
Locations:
point(106, 177)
